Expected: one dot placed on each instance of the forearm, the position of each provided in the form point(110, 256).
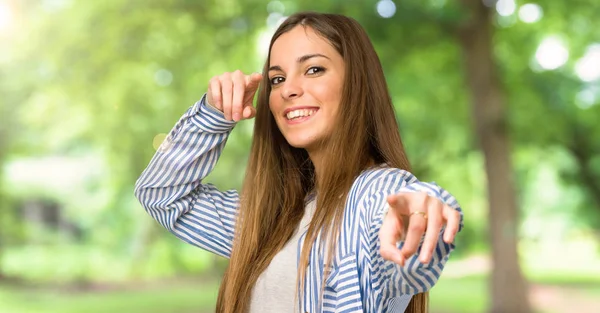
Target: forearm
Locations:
point(185, 157)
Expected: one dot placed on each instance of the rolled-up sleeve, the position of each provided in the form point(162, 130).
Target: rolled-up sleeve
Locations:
point(171, 189)
point(391, 279)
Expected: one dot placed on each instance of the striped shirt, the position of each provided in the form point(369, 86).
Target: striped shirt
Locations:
point(172, 191)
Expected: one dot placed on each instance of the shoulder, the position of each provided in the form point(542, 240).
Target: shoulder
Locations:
point(378, 179)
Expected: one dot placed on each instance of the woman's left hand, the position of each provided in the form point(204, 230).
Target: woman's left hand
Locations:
point(412, 214)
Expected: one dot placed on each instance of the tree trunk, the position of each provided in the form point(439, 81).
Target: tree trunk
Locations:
point(583, 151)
point(508, 287)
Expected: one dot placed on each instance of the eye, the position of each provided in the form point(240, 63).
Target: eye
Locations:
point(276, 80)
point(315, 70)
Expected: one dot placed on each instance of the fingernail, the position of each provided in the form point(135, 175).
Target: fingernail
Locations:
point(236, 116)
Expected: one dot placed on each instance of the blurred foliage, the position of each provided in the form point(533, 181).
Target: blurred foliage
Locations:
point(90, 88)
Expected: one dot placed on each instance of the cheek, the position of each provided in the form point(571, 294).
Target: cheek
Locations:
point(330, 94)
point(273, 103)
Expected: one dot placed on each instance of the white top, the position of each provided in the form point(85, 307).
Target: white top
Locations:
point(275, 289)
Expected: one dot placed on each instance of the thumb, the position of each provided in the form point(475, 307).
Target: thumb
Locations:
point(399, 203)
point(253, 80)
point(389, 235)
point(249, 112)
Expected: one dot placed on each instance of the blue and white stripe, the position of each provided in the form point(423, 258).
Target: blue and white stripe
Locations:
point(172, 192)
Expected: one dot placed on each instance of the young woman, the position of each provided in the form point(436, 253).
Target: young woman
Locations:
point(329, 218)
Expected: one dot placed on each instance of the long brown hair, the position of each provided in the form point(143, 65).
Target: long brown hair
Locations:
point(279, 176)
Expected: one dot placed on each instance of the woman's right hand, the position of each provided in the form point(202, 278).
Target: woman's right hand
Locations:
point(233, 93)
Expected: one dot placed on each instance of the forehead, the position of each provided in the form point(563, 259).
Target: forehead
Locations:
point(297, 42)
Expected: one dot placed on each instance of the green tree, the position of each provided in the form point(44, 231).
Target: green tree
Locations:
point(509, 292)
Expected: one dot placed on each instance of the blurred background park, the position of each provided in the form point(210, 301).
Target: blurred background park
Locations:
point(498, 102)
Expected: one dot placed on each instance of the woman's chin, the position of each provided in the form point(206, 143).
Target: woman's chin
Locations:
point(301, 142)
point(298, 144)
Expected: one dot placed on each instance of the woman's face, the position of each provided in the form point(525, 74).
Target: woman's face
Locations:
point(306, 75)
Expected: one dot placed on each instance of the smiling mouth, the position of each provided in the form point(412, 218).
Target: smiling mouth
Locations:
point(300, 114)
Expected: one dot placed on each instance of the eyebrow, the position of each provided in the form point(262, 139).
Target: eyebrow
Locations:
point(301, 59)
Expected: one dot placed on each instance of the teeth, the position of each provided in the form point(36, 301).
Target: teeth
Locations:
point(300, 113)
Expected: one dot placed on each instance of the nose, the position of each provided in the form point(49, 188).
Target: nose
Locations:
point(291, 89)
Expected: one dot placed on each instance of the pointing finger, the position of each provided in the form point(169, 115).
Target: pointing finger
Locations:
point(253, 81)
point(239, 87)
point(227, 94)
point(416, 227)
point(214, 94)
point(389, 234)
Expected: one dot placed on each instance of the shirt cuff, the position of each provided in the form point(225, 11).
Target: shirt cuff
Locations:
point(209, 118)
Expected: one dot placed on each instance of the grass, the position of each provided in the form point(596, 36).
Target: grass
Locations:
point(464, 295)
point(170, 298)
point(470, 294)
point(450, 295)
